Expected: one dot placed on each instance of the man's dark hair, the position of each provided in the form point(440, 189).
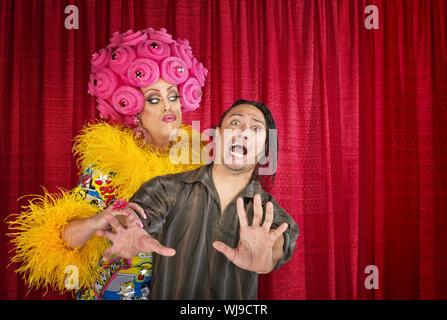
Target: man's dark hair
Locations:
point(267, 181)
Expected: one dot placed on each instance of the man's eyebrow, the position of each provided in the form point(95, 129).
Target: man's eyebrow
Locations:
point(241, 115)
point(235, 114)
point(260, 121)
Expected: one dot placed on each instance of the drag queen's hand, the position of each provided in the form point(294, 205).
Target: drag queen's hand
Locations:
point(77, 232)
point(131, 240)
point(100, 223)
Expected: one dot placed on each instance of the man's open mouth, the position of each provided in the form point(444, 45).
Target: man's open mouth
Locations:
point(238, 150)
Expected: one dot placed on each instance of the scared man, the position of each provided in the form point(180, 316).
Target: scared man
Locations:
point(213, 229)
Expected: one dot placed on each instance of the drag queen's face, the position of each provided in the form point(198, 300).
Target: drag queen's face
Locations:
point(161, 113)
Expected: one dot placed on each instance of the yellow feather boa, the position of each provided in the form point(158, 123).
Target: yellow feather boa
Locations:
point(39, 249)
point(115, 149)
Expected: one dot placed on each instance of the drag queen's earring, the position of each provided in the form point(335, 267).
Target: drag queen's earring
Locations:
point(138, 130)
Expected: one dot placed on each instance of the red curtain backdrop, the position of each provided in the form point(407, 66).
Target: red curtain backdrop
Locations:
point(361, 116)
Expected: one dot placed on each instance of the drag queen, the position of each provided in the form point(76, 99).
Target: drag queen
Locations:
point(142, 82)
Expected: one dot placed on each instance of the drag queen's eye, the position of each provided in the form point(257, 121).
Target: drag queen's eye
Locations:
point(153, 100)
point(174, 98)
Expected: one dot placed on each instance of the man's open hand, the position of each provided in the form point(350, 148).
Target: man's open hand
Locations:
point(255, 248)
point(128, 242)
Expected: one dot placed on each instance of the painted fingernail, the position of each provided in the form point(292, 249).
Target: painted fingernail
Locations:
point(140, 224)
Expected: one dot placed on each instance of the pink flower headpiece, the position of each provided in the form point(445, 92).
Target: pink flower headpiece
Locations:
point(139, 59)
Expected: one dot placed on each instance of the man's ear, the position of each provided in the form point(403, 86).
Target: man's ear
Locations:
point(262, 158)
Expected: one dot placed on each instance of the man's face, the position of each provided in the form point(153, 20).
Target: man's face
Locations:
point(241, 139)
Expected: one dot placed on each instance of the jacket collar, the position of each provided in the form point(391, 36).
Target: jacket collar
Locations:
point(204, 176)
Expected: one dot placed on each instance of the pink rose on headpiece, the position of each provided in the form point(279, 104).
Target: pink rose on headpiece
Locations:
point(183, 53)
point(121, 58)
point(107, 112)
point(128, 100)
point(133, 39)
point(188, 49)
point(191, 94)
point(143, 72)
point(161, 35)
point(174, 70)
point(148, 30)
point(184, 42)
point(199, 71)
point(103, 83)
point(115, 40)
point(154, 49)
point(100, 59)
point(128, 33)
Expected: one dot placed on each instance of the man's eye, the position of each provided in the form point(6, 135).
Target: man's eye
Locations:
point(173, 98)
point(235, 123)
point(256, 129)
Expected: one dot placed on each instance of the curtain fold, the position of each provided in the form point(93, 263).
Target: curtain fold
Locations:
point(361, 117)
